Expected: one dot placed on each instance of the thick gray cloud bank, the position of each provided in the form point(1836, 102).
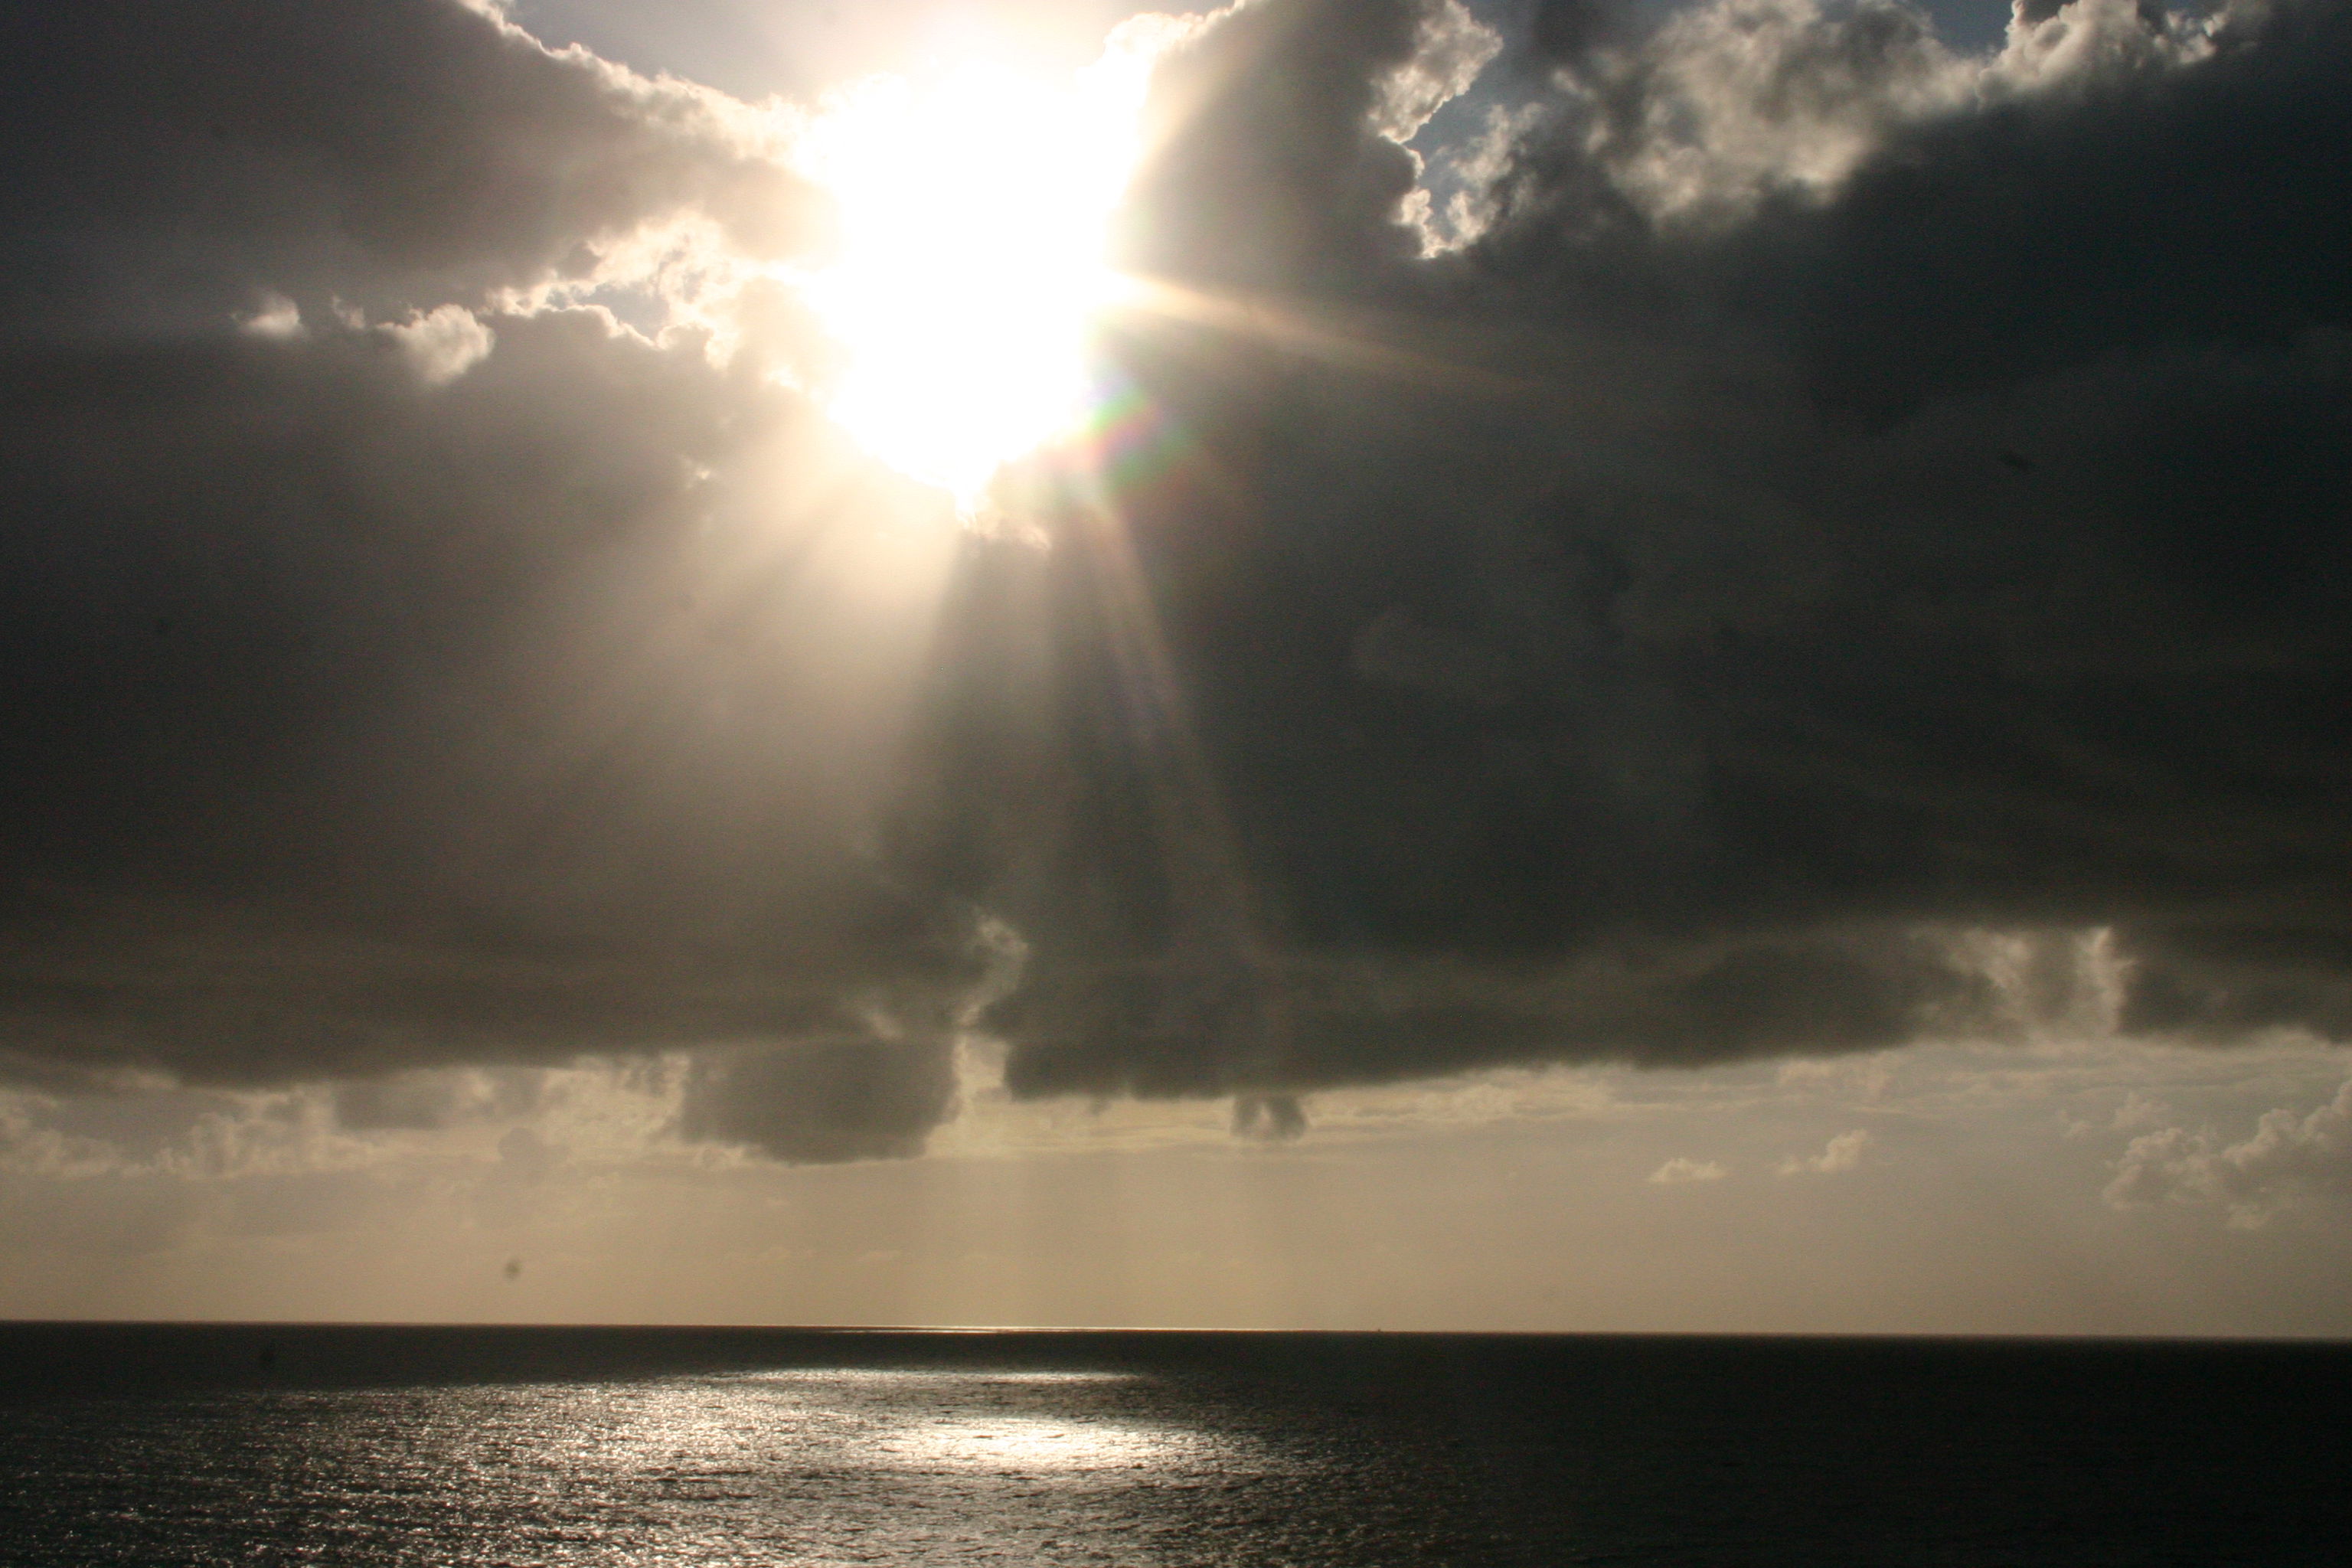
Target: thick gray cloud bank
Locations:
point(1846, 500)
point(1755, 544)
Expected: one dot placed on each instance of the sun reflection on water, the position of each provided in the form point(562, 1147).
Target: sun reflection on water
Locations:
point(910, 1424)
point(811, 1467)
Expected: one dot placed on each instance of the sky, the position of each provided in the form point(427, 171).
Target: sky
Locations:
point(1406, 664)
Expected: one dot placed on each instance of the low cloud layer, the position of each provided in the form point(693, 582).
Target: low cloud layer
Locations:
point(1755, 534)
point(2291, 1156)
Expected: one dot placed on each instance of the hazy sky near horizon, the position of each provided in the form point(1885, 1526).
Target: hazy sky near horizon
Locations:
point(1521, 664)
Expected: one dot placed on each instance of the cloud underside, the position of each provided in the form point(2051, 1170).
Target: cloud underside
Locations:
point(1787, 540)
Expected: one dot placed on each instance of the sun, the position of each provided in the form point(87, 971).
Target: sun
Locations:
point(974, 208)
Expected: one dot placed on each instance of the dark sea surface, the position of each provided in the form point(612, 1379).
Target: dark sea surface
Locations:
point(156, 1445)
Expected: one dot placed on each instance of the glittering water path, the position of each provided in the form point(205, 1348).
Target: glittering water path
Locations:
point(390, 1446)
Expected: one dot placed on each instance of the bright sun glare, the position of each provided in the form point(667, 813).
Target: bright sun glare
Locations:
point(974, 209)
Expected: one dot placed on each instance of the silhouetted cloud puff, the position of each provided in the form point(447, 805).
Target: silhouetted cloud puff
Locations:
point(816, 1100)
point(1749, 514)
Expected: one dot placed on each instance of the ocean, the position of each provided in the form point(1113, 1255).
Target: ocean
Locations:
point(152, 1443)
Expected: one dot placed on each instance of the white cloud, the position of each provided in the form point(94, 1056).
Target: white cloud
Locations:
point(1842, 1153)
point(1452, 47)
point(276, 317)
point(442, 345)
point(1680, 1169)
point(1743, 99)
point(2290, 1155)
point(1752, 95)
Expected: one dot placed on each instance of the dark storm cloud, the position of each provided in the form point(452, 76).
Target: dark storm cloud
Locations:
point(1933, 521)
point(463, 688)
point(815, 1101)
point(1266, 167)
point(1848, 499)
point(359, 722)
point(167, 160)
